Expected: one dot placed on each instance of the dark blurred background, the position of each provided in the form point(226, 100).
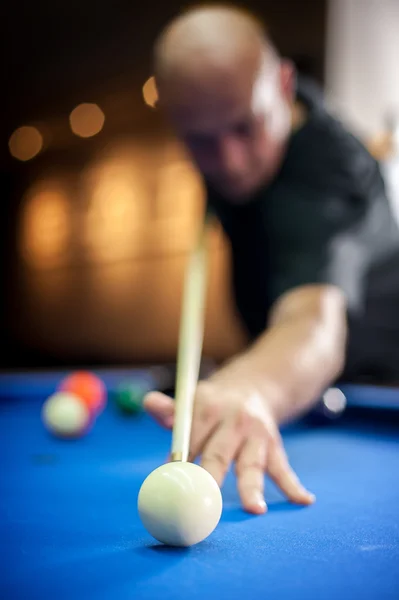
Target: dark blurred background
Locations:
point(98, 201)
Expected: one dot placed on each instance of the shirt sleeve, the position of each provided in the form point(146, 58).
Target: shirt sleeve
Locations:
point(332, 236)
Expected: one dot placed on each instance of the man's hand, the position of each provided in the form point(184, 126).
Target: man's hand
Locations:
point(232, 422)
point(238, 410)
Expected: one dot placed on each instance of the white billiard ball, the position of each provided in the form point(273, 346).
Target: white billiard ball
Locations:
point(65, 415)
point(180, 504)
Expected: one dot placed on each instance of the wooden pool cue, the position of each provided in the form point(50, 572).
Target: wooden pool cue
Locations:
point(190, 344)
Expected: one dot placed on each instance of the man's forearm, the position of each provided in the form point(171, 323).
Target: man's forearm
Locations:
point(299, 356)
point(294, 362)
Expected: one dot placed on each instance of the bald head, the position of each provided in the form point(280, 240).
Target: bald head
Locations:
point(225, 90)
point(208, 43)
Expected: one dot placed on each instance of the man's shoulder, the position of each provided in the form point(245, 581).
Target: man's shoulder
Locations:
point(325, 132)
point(326, 152)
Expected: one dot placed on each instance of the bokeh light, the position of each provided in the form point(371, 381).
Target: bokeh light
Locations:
point(25, 143)
point(334, 400)
point(150, 92)
point(87, 120)
point(45, 233)
point(179, 191)
point(116, 199)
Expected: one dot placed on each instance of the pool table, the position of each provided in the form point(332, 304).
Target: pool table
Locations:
point(70, 527)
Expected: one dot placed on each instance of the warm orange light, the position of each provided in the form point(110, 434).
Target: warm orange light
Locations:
point(150, 92)
point(46, 226)
point(87, 120)
point(25, 143)
point(179, 189)
point(116, 202)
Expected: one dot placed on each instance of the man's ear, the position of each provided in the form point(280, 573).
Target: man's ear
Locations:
point(153, 92)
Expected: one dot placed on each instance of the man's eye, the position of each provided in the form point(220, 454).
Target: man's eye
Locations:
point(243, 129)
point(199, 141)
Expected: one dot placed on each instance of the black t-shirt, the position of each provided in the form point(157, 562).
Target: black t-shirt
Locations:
point(325, 218)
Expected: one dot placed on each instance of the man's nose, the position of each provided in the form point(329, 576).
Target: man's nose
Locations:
point(231, 155)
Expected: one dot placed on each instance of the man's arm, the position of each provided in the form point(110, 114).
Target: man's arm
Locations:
point(301, 353)
point(238, 409)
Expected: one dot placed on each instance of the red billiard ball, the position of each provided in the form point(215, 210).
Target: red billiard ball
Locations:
point(87, 386)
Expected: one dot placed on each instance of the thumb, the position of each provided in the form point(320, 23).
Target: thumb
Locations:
point(161, 408)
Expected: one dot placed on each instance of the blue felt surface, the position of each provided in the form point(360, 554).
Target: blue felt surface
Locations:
point(40, 385)
point(70, 527)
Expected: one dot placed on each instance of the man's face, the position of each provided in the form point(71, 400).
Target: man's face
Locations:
point(235, 133)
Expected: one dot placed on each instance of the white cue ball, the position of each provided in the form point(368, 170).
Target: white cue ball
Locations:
point(66, 415)
point(180, 504)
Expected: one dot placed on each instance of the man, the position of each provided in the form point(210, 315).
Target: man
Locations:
point(304, 207)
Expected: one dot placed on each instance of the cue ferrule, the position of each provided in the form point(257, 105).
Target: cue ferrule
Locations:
point(176, 457)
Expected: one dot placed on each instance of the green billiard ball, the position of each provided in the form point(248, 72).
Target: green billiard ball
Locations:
point(129, 397)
